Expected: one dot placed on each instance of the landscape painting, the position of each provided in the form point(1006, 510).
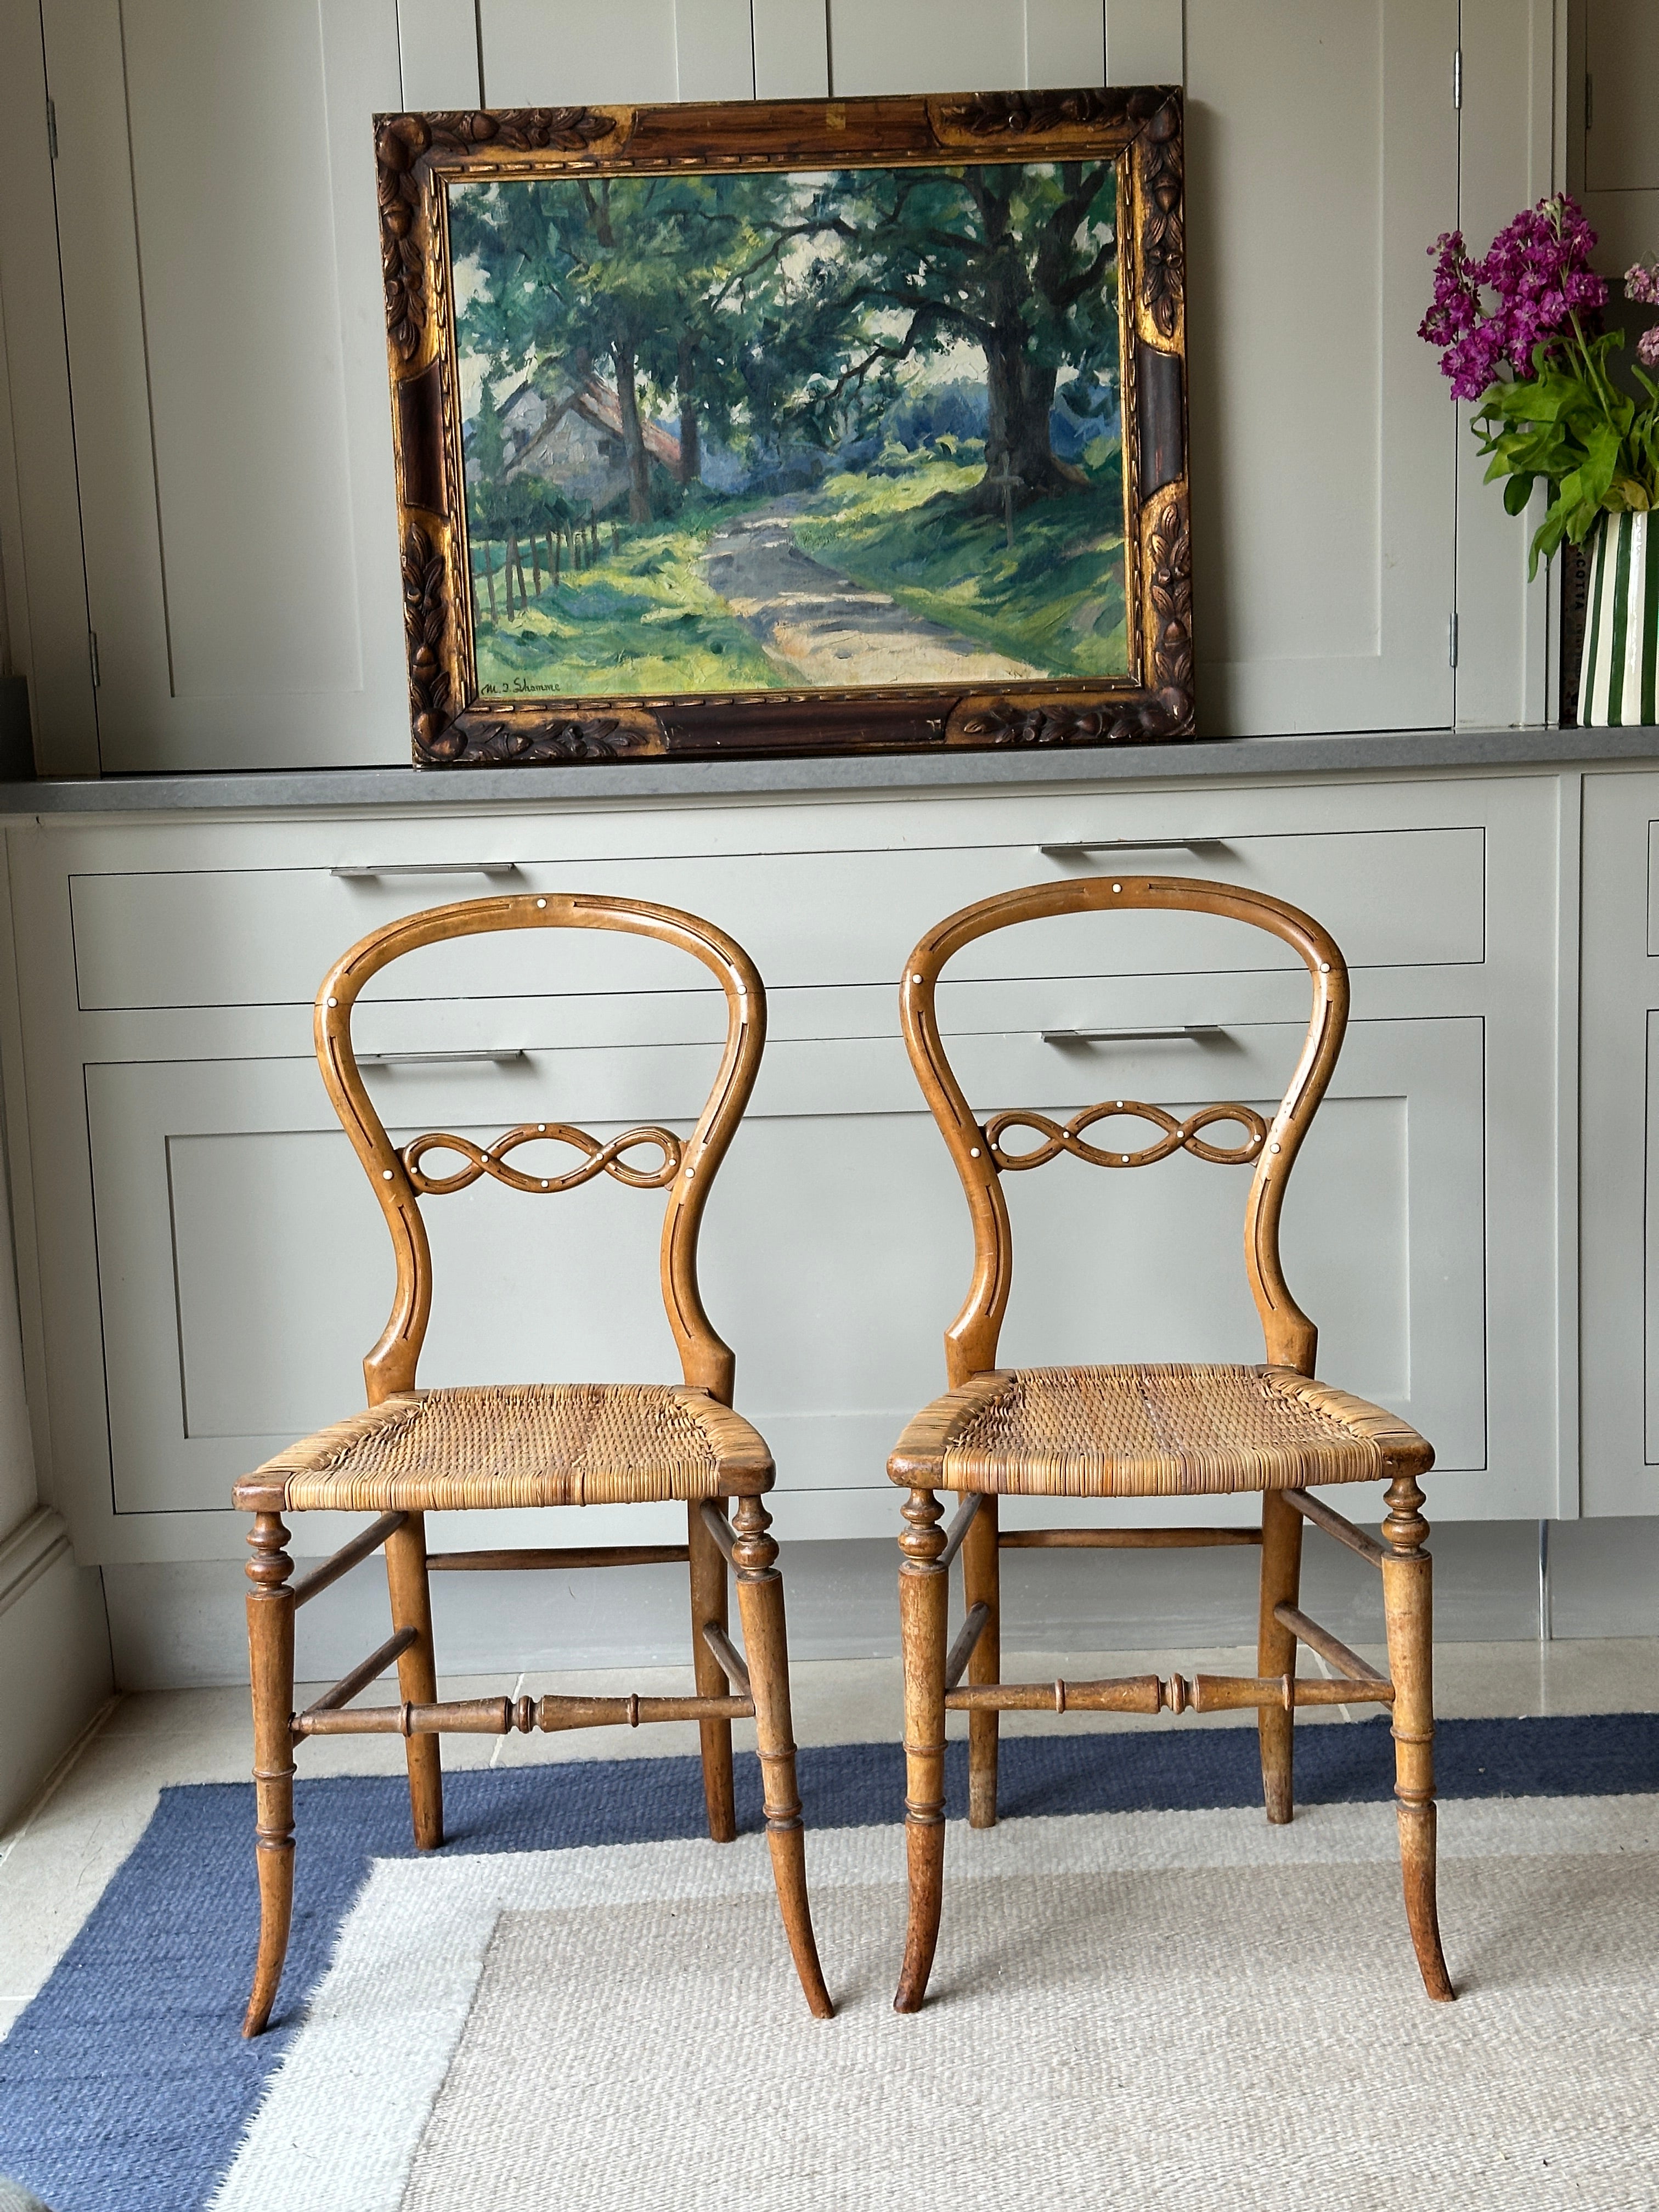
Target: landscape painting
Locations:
point(787, 430)
point(761, 428)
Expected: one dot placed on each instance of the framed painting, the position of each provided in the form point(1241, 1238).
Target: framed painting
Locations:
point(790, 426)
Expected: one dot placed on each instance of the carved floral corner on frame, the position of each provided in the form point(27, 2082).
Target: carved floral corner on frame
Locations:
point(460, 720)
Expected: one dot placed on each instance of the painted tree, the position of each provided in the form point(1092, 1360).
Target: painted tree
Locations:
point(718, 242)
point(572, 278)
point(486, 467)
point(669, 283)
point(1017, 258)
point(772, 306)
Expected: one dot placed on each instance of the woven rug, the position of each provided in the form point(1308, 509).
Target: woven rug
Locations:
point(1144, 1996)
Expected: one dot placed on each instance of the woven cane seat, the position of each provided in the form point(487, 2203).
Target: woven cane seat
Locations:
point(1165, 1431)
point(538, 1444)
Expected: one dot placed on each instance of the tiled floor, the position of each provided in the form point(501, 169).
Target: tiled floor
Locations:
point(55, 1862)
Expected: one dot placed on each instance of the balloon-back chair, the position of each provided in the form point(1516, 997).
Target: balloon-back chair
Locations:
point(1150, 1431)
point(415, 1451)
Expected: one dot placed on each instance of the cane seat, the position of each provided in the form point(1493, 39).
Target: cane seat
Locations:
point(518, 1444)
point(1150, 1431)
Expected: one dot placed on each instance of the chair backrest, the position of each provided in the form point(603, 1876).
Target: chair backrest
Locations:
point(970, 1342)
point(684, 1168)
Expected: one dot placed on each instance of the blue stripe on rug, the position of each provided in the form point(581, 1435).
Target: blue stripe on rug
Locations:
point(125, 2086)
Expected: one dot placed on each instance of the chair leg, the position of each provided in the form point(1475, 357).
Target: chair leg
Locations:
point(924, 1589)
point(1408, 1607)
point(708, 1602)
point(981, 1582)
point(410, 1593)
point(1275, 1649)
point(760, 1603)
point(271, 1659)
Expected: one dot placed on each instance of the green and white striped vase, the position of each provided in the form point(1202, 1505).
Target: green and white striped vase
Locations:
point(1616, 682)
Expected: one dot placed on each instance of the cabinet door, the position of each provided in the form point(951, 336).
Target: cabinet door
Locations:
point(215, 201)
point(222, 299)
point(1321, 161)
point(1619, 1193)
point(1613, 137)
point(243, 1267)
point(1324, 458)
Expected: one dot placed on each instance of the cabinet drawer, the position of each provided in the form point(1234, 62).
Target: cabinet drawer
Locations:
point(245, 1269)
point(1392, 897)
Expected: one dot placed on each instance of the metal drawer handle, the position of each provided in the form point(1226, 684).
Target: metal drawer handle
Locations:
point(482, 1052)
point(1069, 851)
point(427, 868)
point(1189, 1032)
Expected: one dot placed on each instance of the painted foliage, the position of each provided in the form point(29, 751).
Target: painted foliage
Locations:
point(751, 431)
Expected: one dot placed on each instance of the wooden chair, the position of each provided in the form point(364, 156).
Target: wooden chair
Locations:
point(1138, 1431)
point(414, 1451)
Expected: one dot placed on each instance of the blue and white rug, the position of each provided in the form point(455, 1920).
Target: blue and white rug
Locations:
point(1145, 1995)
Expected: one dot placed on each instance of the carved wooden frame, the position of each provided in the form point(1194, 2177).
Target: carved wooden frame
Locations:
point(419, 156)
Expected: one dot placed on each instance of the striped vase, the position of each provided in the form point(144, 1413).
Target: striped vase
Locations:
point(1621, 624)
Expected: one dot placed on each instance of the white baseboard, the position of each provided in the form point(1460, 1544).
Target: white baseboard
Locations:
point(182, 1624)
point(54, 1655)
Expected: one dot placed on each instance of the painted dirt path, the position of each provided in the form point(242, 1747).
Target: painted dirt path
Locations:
point(818, 626)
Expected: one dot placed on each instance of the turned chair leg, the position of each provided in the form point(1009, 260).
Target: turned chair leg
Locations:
point(410, 1592)
point(924, 1589)
point(708, 1602)
point(982, 1585)
point(270, 1658)
point(1408, 1611)
point(760, 1603)
point(1275, 1649)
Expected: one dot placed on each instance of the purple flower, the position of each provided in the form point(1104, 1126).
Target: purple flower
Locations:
point(1647, 348)
point(1642, 284)
point(1537, 271)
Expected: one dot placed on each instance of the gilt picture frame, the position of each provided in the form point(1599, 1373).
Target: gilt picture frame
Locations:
point(782, 427)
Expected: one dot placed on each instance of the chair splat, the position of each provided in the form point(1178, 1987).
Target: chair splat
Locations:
point(1178, 1136)
point(600, 1159)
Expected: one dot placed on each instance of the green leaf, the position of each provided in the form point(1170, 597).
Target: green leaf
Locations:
point(1601, 462)
point(1546, 538)
point(1516, 493)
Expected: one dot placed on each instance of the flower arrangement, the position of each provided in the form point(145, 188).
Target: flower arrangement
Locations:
point(1520, 336)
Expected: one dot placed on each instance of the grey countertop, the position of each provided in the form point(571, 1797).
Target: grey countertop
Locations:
point(289, 790)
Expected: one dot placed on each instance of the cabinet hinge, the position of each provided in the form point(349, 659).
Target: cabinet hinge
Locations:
point(52, 130)
point(1590, 100)
point(92, 655)
point(1457, 77)
point(1451, 643)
